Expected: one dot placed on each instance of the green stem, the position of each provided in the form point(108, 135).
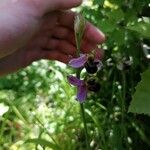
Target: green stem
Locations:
point(123, 95)
point(46, 130)
point(85, 126)
point(123, 103)
point(78, 43)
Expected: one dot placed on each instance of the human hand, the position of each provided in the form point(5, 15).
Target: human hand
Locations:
point(53, 39)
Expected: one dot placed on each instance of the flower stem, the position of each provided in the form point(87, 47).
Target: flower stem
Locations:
point(85, 126)
point(123, 109)
point(78, 44)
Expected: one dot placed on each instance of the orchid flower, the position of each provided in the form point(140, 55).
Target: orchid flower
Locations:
point(91, 63)
point(84, 86)
point(81, 88)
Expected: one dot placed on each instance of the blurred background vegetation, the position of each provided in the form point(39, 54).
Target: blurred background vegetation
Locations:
point(38, 110)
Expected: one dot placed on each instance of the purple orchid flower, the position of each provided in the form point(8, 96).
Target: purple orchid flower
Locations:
point(81, 88)
point(91, 63)
point(78, 62)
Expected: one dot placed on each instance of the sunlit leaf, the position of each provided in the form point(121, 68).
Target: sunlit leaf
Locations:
point(116, 15)
point(142, 28)
point(3, 109)
point(141, 99)
point(119, 36)
point(42, 142)
point(99, 2)
point(106, 26)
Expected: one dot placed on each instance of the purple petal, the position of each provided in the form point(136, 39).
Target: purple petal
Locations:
point(82, 93)
point(75, 81)
point(78, 62)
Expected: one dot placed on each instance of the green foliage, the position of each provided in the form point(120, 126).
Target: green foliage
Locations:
point(142, 28)
point(141, 101)
point(42, 142)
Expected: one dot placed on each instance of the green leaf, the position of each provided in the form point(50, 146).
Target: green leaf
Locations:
point(143, 28)
point(119, 36)
point(115, 15)
point(42, 142)
point(106, 25)
point(141, 99)
point(118, 2)
point(99, 2)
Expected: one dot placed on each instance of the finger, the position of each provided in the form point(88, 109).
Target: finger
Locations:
point(64, 33)
point(69, 22)
point(46, 6)
point(64, 4)
point(49, 21)
point(68, 35)
point(92, 33)
point(87, 47)
point(63, 45)
point(99, 53)
point(54, 55)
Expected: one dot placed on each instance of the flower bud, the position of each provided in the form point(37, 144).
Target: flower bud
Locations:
point(79, 24)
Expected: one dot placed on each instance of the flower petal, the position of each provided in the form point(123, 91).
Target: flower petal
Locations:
point(78, 62)
point(82, 93)
point(75, 81)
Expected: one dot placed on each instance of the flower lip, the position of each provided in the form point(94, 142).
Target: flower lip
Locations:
point(91, 68)
point(92, 65)
point(81, 88)
point(89, 61)
point(82, 93)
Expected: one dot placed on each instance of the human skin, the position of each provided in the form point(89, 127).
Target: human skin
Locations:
point(31, 30)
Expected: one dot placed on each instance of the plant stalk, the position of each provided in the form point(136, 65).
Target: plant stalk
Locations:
point(85, 126)
point(78, 44)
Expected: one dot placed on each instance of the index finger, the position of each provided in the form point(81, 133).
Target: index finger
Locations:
point(92, 33)
point(43, 7)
